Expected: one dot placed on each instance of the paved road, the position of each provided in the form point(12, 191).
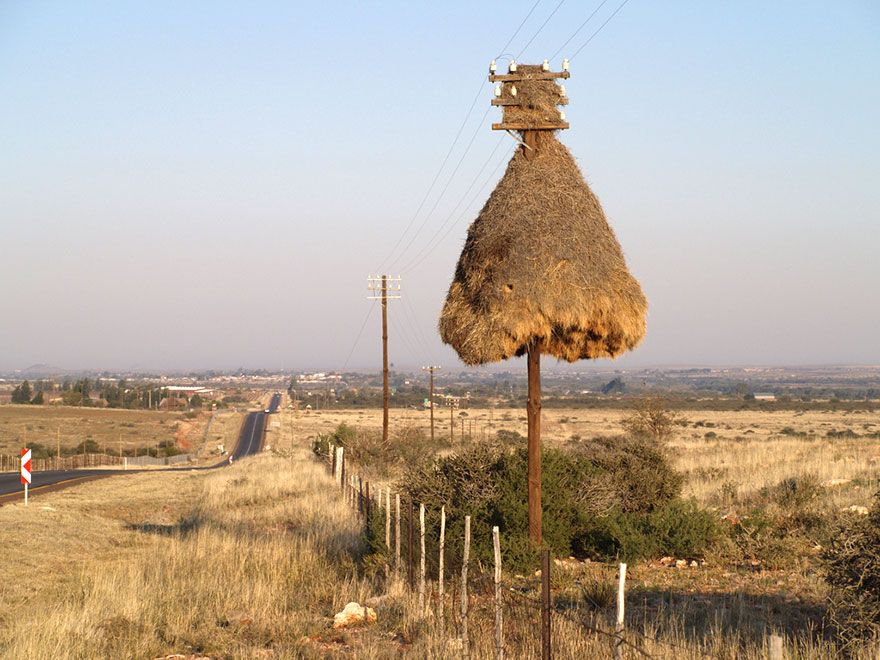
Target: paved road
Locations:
point(250, 441)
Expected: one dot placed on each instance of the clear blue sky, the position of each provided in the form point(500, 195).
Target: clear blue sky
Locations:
point(189, 185)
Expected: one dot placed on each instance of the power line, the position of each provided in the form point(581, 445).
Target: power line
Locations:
point(492, 174)
point(546, 20)
point(582, 26)
point(592, 36)
point(436, 176)
point(445, 188)
point(452, 147)
point(509, 41)
point(455, 208)
point(411, 316)
point(360, 332)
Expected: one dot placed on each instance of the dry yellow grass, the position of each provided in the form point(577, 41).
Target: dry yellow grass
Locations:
point(252, 560)
point(23, 425)
point(746, 449)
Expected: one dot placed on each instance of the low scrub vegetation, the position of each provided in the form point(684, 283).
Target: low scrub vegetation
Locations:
point(852, 567)
point(609, 498)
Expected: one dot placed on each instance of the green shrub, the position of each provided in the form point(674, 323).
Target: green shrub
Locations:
point(608, 498)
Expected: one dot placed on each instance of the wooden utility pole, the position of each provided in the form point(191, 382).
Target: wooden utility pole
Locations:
point(379, 286)
point(430, 370)
point(530, 121)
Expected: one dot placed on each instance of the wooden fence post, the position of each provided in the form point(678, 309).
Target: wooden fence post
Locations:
point(360, 495)
point(397, 534)
point(440, 603)
point(342, 468)
point(388, 520)
point(421, 560)
point(546, 646)
point(412, 572)
point(621, 605)
point(499, 626)
point(465, 643)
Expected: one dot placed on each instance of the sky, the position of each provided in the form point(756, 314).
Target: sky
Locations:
point(208, 185)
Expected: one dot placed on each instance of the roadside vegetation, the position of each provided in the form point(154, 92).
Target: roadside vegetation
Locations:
point(255, 559)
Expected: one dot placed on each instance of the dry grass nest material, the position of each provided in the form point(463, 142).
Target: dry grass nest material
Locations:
point(541, 264)
point(536, 99)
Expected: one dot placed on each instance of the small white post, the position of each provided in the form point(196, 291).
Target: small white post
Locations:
point(776, 647)
point(125, 463)
point(337, 467)
point(499, 626)
point(440, 605)
point(25, 494)
point(388, 519)
point(621, 604)
point(397, 534)
point(422, 560)
point(465, 643)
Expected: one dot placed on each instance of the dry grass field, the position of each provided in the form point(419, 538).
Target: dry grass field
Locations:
point(254, 560)
point(24, 425)
point(718, 450)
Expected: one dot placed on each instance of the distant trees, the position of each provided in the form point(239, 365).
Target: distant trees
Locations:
point(22, 393)
point(614, 386)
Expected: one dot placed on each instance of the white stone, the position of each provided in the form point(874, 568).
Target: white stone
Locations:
point(354, 614)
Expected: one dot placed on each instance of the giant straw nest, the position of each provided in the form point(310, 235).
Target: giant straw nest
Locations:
point(541, 265)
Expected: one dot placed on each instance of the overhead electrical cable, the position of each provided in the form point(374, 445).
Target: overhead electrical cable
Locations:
point(360, 332)
point(593, 36)
point(543, 25)
point(462, 198)
point(489, 179)
point(576, 32)
point(445, 188)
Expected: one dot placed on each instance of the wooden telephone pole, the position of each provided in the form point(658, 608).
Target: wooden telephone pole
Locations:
point(380, 286)
point(430, 370)
point(530, 121)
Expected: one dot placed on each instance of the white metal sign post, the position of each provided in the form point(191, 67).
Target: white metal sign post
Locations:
point(26, 471)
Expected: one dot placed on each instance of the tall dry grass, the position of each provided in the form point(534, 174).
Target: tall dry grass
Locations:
point(253, 560)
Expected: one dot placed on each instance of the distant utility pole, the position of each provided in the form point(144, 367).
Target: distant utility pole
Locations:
point(453, 404)
point(430, 370)
point(380, 286)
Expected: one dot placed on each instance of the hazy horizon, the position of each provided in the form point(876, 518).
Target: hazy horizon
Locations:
point(190, 187)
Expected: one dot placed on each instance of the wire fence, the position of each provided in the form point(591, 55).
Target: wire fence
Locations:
point(473, 603)
point(12, 463)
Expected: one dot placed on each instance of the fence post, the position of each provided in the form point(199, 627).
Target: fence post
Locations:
point(412, 572)
point(546, 647)
point(397, 535)
point(465, 643)
point(387, 519)
point(499, 629)
point(342, 467)
point(776, 647)
point(440, 569)
point(421, 560)
point(337, 468)
point(621, 605)
point(367, 503)
point(360, 495)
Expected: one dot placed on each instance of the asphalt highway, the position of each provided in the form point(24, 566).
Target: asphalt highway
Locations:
point(250, 441)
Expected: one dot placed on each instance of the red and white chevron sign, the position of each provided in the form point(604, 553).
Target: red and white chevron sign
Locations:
point(25, 466)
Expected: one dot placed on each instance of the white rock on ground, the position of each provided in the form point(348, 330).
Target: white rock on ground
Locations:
point(354, 614)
